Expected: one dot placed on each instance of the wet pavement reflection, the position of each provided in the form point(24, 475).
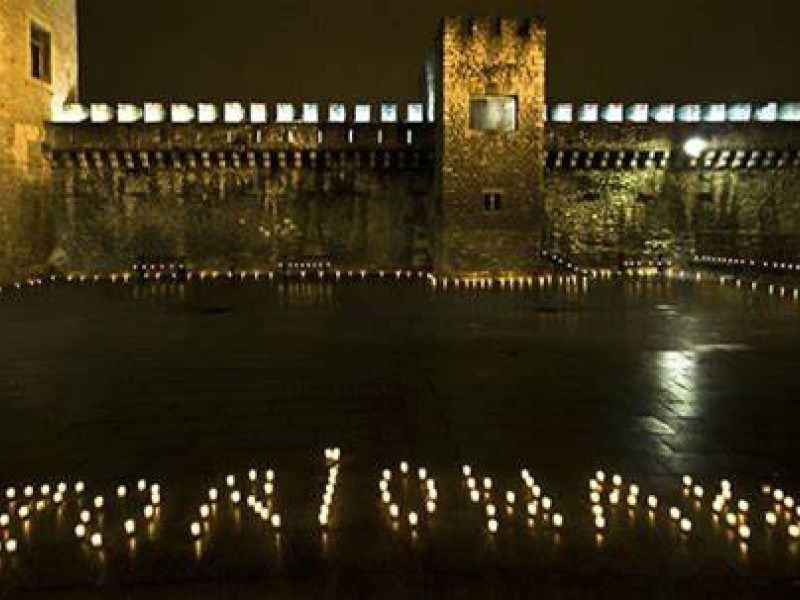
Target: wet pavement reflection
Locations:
point(384, 439)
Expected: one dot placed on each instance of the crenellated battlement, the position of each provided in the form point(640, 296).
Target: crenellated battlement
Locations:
point(237, 113)
point(642, 112)
point(484, 28)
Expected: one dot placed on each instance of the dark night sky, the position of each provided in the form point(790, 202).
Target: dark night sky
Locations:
point(320, 50)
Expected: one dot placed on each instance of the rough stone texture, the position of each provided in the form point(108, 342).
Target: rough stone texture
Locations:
point(244, 195)
point(490, 56)
point(356, 218)
point(598, 215)
point(25, 107)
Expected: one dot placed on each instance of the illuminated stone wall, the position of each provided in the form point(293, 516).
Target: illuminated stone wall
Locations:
point(487, 56)
point(355, 218)
point(247, 195)
point(631, 190)
point(26, 105)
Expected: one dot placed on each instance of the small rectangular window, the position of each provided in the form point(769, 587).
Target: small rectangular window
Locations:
point(492, 201)
point(493, 113)
point(41, 54)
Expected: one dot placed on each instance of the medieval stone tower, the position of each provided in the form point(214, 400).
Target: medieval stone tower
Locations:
point(490, 110)
point(39, 73)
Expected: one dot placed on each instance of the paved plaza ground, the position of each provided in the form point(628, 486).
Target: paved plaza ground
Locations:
point(184, 384)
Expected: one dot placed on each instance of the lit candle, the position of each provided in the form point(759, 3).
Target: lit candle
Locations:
point(394, 511)
point(213, 494)
point(492, 525)
point(80, 531)
point(675, 513)
point(652, 502)
point(195, 529)
point(771, 518)
point(236, 496)
point(11, 546)
point(121, 491)
point(744, 532)
point(85, 516)
point(96, 540)
point(276, 521)
point(686, 525)
point(130, 527)
point(205, 511)
point(558, 520)
point(413, 519)
point(98, 502)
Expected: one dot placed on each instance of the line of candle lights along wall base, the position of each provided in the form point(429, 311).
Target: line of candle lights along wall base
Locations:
point(409, 498)
point(576, 280)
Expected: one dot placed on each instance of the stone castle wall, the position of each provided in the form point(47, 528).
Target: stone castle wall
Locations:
point(253, 196)
point(631, 190)
point(26, 106)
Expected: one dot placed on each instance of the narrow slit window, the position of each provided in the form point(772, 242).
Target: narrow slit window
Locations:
point(492, 201)
point(41, 54)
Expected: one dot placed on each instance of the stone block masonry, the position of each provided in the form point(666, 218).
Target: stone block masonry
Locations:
point(27, 96)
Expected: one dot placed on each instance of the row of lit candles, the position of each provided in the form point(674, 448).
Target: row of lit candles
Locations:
point(747, 262)
point(203, 275)
point(605, 492)
point(509, 282)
